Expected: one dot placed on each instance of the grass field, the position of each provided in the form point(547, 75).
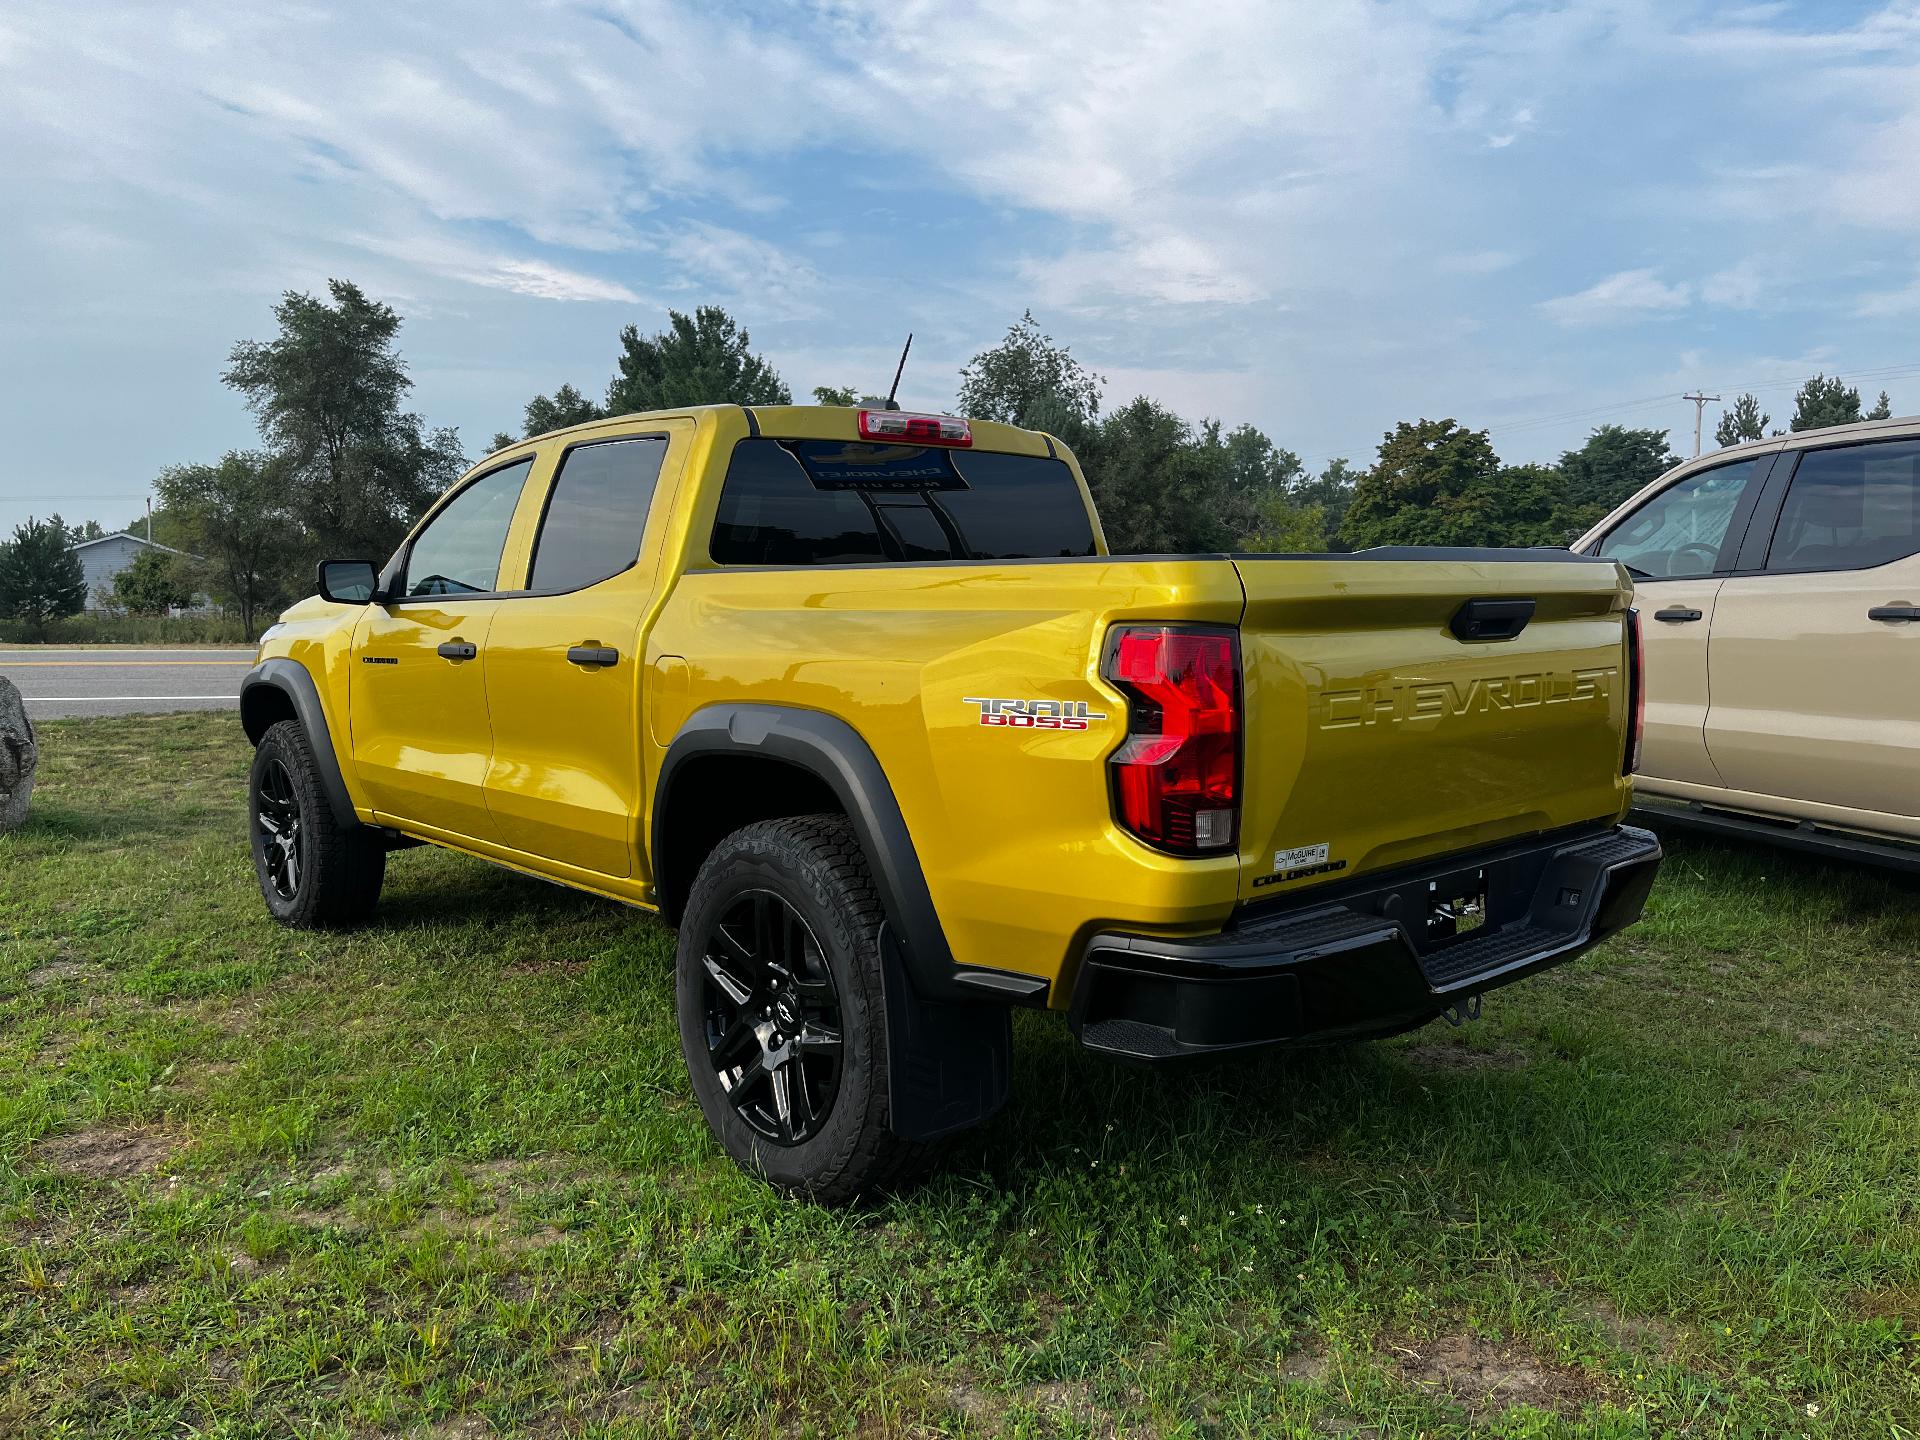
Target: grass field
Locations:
point(443, 1176)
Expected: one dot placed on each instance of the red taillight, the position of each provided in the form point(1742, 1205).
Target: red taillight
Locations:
point(919, 429)
point(1176, 780)
point(1636, 692)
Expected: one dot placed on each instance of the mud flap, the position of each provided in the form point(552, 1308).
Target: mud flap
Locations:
point(949, 1063)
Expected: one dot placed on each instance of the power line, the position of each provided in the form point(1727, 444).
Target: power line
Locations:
point(1699, 409)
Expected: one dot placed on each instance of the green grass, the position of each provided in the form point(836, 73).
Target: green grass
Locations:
point(443, 1176)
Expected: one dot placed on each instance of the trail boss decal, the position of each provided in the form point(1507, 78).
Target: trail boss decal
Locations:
point(1034, 714)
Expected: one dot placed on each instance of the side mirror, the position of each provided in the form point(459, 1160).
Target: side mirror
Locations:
point(348, 582)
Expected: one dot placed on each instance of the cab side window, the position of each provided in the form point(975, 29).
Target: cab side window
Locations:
point(459, 551)
point(1678, 533)
point(1849, 508)
point(596, 513)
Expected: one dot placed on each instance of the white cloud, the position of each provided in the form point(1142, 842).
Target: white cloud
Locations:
point(1317, 214)
point(740, 268)
point(1627, 295)
point(538, 278)
point(1744, 285)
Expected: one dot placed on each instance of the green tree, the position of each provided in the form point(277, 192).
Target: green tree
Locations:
point(566, 406)
point(835, 395)
point(1882, 409)
point(501, 440)
point(153, 583)
point(701, 359)
point(1259, 469)
point(1331, 491)
point(41, 578)
point(1742, 422)
point(1434, 484)
point(1822, 402)
point(1029, 380)
point(238, 516)
point(327, 393)
point(1529, 507)
point(1157, 486)
point(1614, 463)
point(1281, 527)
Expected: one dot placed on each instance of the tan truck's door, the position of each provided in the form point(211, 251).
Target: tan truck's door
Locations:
point(1672, 545)
point(1814, 662)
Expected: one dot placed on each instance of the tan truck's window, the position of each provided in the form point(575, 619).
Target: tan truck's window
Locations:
point(1679, 531)
point(1849, 508)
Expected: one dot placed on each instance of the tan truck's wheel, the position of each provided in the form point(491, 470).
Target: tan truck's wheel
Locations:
point(782, 1018)
point(313, 871)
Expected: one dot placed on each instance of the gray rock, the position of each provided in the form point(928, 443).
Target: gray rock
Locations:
point(18, 756)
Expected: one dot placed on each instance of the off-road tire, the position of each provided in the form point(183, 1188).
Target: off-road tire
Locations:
point(815, 864)
point(342, 866)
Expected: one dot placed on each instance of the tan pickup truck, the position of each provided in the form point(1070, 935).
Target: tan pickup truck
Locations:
point(1778, 584)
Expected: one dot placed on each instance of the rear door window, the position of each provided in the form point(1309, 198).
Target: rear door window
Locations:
point(596, 513)
point(1849, 508)
point(825, 502)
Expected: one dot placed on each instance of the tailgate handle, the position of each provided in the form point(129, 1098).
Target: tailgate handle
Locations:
point(1490, 619)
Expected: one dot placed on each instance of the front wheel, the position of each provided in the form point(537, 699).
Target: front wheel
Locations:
point(313, 871)
point(782, 1017)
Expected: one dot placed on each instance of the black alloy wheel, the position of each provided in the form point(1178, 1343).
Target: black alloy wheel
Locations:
point(279, 837)
point(772, 1017)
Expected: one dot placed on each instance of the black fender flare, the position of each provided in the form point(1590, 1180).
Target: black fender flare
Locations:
point(950, 1046)
point(291, 679)
point(832, 751)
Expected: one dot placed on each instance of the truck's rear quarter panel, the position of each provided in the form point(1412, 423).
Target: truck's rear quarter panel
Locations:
point(1013, 827)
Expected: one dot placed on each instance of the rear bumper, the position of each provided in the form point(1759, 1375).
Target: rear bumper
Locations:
point(1365, 959)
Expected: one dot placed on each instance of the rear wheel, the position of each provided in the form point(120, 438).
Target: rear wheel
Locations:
point(782, 1016)
point(313, 871)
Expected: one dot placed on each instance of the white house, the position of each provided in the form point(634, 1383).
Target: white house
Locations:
point(106, 557)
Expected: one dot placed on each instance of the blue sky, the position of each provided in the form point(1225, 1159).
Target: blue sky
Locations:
point(1319, 217)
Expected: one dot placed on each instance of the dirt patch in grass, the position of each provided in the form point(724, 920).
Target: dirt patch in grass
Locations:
point(106, 1152)
point(1643, 1336)
point(1481, 1375)
point(57, 972)
point(1460, 1058)
point(1308, 1365)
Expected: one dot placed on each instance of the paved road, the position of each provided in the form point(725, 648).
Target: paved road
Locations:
point(123, 680)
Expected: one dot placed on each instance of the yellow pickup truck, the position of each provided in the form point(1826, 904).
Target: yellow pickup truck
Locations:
point(858, 701)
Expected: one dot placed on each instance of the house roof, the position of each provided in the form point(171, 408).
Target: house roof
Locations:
point(128, 535)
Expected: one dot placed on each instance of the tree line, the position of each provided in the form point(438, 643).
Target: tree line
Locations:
point(342, 467)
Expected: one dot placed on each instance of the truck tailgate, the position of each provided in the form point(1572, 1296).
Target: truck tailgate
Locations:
point(1376, 737)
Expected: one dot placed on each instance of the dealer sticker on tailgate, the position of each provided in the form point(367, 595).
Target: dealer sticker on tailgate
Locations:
point(1299, 858)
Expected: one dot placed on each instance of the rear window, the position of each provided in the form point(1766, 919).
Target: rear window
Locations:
point(829, 502)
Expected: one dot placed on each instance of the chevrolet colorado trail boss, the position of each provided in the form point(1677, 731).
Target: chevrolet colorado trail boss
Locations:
point(858, 701)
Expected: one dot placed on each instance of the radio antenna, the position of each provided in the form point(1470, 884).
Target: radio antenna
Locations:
point(899, 370)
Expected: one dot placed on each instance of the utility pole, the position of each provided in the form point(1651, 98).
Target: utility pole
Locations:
point(1699, 409)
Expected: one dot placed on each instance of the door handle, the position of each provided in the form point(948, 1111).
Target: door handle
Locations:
point(1676, 617)
point(458, 650)
point(1894, 612)
point(593, 657)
